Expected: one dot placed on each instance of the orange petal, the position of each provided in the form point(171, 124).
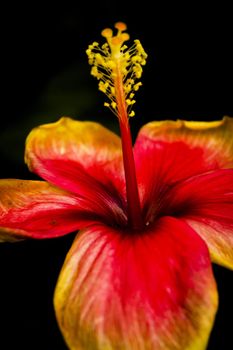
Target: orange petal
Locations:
point(213, 138)
point(36, 209)
point(89, 145)
point(151, 290)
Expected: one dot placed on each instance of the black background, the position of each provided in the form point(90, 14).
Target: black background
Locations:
point(45, 74)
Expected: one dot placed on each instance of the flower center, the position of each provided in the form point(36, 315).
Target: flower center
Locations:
point(118, 69)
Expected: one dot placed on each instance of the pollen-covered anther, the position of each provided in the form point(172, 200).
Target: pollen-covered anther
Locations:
point(95, 73)
point(138, 70)
point(99, 59)
point(132, 114)
point(114, 105)
point(103, 86)
point(127, 88)
point(130, 102)
point(137, 86)
point(113, 91)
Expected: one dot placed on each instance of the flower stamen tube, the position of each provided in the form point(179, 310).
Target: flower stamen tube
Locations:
point(118, 69)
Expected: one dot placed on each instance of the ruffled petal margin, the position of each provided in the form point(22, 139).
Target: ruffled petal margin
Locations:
point(81, 157)
point(36, 209)
point(153, 290)
point(213, 138)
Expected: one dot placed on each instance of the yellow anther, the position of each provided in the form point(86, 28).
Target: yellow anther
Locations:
point(136, 58)
point(95, 73)
point(132, 114)
point(131, 81)
point(117, 68)
point(124, 47)
point(112, 90)
point(130, 102)
point(137, 86)
point(105, 49)
point(99, 59)
point(127, 88)
point(103, 86)
point(138, 70)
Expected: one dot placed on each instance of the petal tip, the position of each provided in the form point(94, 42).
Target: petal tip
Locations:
point(170, 125)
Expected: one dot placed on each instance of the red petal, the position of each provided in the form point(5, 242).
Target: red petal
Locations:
point(168, 152)
point(121, 290)
point(38, 210)
point(68, 175)
point(214, 139)
point(206, 203)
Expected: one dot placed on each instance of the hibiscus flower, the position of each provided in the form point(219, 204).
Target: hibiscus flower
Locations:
point(151, 217)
